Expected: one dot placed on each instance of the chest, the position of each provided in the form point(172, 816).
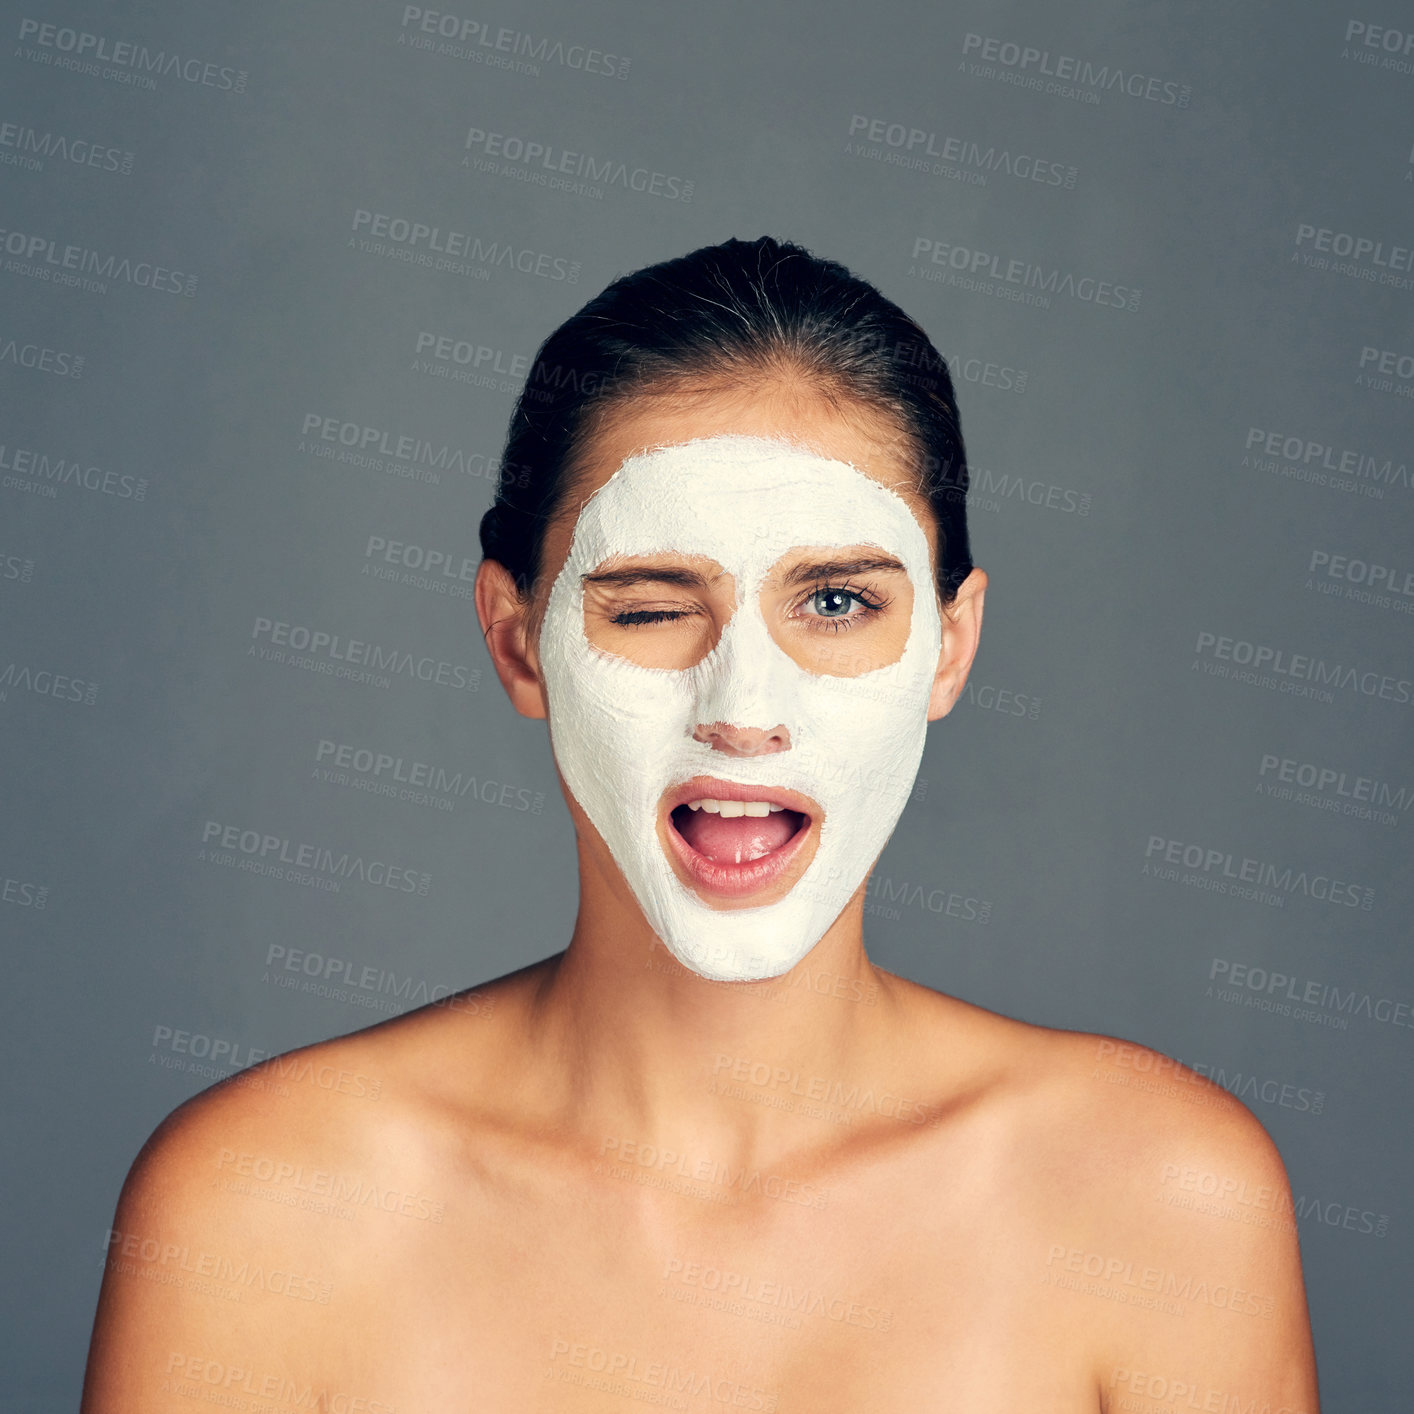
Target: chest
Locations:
point(821, 1298)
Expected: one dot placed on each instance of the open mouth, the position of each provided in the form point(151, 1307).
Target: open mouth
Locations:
point(735, 831)
point(733, 839)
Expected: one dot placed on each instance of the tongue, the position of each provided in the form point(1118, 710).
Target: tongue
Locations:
point(737, 840)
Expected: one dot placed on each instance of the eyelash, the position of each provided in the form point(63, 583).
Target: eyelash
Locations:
point(632, 618)
point(869, 600)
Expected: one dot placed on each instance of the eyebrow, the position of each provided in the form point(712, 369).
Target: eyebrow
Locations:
point(663, 574)
point(805, 573)
point(808, 572)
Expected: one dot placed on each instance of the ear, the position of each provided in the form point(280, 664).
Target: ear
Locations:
point(962, 627)
point(505, 624)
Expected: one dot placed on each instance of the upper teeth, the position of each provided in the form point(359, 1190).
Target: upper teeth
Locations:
point(734, 807)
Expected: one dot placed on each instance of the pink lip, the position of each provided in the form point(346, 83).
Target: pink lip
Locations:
point(736, 880)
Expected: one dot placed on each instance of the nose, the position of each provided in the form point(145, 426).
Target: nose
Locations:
point(742, 741)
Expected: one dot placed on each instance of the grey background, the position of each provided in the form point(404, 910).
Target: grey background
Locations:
point(1091, 727)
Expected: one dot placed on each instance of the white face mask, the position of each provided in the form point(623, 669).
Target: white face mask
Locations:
point(623, 734)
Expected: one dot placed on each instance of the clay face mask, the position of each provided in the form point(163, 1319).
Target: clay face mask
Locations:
point(623, 733)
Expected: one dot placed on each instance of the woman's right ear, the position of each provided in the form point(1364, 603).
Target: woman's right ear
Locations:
point(505, 624)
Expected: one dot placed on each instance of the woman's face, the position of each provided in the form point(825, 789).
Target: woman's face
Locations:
point(860, 437)
point(739, 641)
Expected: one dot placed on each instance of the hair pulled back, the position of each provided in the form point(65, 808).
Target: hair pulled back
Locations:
point(727, 316)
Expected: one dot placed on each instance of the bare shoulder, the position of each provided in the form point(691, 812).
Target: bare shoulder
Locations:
point(1136, 1104)
point(1106, 1131)
point(341, 1101)
point(1143, 1208)
point(259, 1203)
point(1093, 1111)
point(1162, 1222)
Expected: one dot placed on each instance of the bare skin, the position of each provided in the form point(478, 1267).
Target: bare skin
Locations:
point(604, 1180)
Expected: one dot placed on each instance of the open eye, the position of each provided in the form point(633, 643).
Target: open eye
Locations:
point(833, 603)
point(838, 606)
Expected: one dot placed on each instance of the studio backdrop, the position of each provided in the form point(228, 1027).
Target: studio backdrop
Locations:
point(271, 277)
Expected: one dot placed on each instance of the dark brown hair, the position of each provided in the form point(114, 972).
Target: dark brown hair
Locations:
point(727, 314)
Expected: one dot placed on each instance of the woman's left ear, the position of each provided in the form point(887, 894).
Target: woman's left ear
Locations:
point(962, 627)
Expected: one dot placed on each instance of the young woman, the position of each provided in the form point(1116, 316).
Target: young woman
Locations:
point(708, 1155)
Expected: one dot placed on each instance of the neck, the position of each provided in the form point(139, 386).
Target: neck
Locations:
point(641, 1051)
